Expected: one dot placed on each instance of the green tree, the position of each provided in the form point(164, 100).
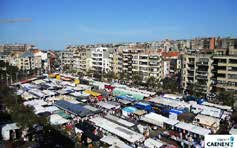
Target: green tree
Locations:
point(151, 83)
point(23, 115)
point(109, 76)
point(137, 78)
point(121, 75)
point(226, 97)
point(89, 73)
point(169, 85)
point(196, 89)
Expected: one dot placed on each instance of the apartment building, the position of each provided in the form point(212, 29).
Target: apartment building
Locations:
point(225, 70)
point(100, 60)
point(80, 62)
point(198, 69)
point(203, 43)
point(116, 61)
point(26, 61)
point(16, 47)
point(148, 63)
point(171, 63)
point(66, 59)
point(125, 60)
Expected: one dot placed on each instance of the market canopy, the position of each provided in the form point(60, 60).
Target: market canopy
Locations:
point(75, 109)
point(106, 105)
point(56, 119)
point(63, 114)
point(118, 130)
point(132, 94)
point(114, 141)
point(126, 97)
point(95, 94)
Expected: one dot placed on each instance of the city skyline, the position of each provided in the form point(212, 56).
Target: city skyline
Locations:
point(55, 25)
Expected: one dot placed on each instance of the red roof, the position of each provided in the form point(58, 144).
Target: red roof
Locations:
point(170, 54)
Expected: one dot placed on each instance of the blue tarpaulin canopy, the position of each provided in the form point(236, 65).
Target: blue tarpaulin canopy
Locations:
point(130, 109)
point(75, 109)
point(176, 111)
point(126, 98)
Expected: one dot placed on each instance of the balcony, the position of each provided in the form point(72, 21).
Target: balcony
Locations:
point(232, 72)
point(232, 80)
point(153, 57)
point(232, 64)
point(221, 71)
point(190, 68)
point(201, 78)
point(222, 64)
point(225, 86)
point(221, 79)
point(202, 63)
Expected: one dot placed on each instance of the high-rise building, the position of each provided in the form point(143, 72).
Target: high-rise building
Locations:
point(225, 70)
point(198, 70)
point(66, 60)
point(100, 61)
point(171, 63)
point(148, 64)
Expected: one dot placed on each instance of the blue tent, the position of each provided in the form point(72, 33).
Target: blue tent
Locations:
point(176, 111)
point(125, 98)
point(130, 109)
point(144, 106)
point(75, 109)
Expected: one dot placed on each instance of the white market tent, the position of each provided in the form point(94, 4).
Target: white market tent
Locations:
point(38, 81)
point(119, 120)
point(170, 102)
point(27, 86)
point(6, 130)
point(119, 85)
point(41, 109)
point(223, 107)
point(35, 102)
point(83, 87)
point(206, 110)
point(171, 122)
point(80, 94)
point(66, 83)
point(193, 128)
point(37, 93)
point(106, 105)
point(154, 118)
point(49, 92)
point(173, 96)
point(117, 130)
point(100, 85)
point(151, 143)
point(26, 96)
point(56, 119)
point(147, 93)
point(114, 141)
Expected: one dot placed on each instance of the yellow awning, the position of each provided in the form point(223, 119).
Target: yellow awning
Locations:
point(95, 94)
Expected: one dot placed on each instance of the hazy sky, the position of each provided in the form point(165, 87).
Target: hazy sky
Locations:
point(53, 24)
